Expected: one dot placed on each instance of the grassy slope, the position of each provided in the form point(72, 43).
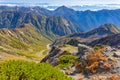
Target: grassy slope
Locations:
point(19, 42)
point(70, 49)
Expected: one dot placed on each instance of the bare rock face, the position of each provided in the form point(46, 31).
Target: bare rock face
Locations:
point(116, 55)
point(109, 61)
point(83, 50)
point(53, 56)
point(56, 52)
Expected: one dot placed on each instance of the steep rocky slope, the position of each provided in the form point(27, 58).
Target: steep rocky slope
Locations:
point(87, 37)
point(51, 26)
point(113, 40)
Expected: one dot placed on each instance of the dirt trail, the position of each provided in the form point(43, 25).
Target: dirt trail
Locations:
point(48, 46)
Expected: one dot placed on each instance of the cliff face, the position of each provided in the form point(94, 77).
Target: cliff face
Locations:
point(52, 56)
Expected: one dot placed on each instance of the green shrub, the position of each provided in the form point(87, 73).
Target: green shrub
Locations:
point(66, 60)
point(21, 70)
point(98, 47)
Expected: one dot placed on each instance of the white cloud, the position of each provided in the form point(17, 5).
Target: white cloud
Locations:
point(64, 2)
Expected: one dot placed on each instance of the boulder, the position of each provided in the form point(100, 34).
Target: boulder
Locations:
point(53, 56)
point(118, 47)
point(83, 50)
point(116, 55)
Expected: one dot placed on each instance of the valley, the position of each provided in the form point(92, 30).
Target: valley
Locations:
point(23, 45)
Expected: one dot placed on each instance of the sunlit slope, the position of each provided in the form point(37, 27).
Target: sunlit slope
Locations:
point(19, 42)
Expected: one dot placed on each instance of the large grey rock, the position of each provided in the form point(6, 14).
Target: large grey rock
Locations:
point(108, 48)
point(83, 50)
point(116, 55)
point(53, 56)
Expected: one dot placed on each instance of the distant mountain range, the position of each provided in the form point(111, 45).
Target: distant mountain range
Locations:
point(62, 21)
point(79, 7)
point(89, 19)
point(51, 26)
point(83, 20)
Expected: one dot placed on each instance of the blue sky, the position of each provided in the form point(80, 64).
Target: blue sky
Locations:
point(64, 2)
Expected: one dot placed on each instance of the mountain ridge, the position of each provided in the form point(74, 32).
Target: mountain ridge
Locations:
point(48, 25)
point(86, 37)
point(113, 40)
point(83, 20)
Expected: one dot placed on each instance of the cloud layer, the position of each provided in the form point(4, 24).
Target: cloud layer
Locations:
point(80, 5)
point(64, 2)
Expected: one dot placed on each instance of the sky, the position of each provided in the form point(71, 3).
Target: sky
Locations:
point(63, 2)
point(80, 5)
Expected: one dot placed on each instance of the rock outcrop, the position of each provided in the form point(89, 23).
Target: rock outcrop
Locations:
point(84, 50)
point(53, 56)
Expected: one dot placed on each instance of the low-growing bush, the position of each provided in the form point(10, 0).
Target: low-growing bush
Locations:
point(98, 47)
point(21, 70)
point(66, 60)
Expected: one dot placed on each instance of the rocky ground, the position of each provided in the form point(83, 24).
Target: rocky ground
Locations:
point(113, 54)
point(108, 62)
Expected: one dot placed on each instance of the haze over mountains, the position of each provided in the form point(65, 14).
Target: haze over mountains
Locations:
point(79, 7)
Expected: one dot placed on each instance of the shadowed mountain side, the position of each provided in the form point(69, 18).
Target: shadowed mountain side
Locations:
point(50, 26)
point(83, 20)
point(86, 37)
point(113, 40)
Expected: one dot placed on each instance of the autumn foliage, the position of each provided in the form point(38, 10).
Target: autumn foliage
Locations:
point(110, 77)
point(80, 79)
point(95, 62)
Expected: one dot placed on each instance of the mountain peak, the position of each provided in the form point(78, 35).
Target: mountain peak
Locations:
point(107, 26)
point(110, 27)
point(62, 8)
